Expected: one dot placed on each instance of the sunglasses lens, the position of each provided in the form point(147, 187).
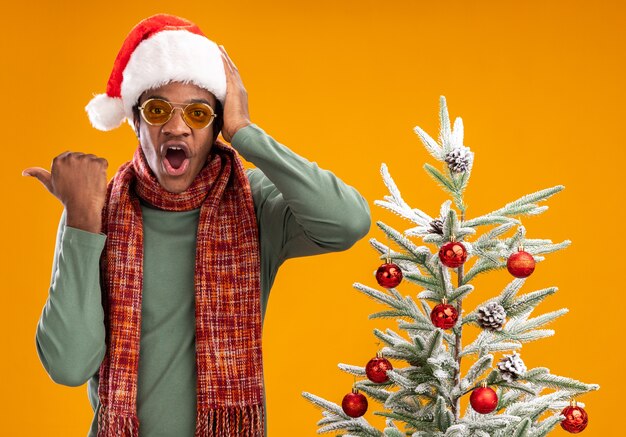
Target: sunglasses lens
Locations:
point(156, 111)
point(198, 115)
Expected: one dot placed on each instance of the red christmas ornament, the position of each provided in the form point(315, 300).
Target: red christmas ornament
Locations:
point(444, 315)
point(521, 264)
point(575, 418)
point(484, 400)
point(389, 275)
point(452, 254)
point(354, 404)
point(376, 369)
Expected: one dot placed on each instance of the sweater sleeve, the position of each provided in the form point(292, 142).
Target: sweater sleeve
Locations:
point(302, 209)
point(70, 335)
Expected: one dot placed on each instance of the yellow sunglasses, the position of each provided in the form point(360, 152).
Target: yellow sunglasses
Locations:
point(157, 112)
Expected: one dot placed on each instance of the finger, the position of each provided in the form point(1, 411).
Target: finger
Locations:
point(233, 80)
point(227, 68)
point(233, 70)
point(231, 74)
point(41, 174)
point(230, 79)
point(230, 61)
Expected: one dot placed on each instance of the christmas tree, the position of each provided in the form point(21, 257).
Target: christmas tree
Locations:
point(422, 398)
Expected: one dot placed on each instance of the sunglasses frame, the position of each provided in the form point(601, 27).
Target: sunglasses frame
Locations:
point(174, 108)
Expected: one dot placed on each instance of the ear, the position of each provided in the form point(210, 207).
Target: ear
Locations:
point(136, 124)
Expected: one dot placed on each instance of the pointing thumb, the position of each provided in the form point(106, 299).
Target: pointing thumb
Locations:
point(41, 174)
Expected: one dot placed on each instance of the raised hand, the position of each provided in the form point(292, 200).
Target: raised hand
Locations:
point(79, 181)
point(236, 115)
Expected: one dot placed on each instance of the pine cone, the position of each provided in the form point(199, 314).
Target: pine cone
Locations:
point(436, 227)
point(511, 367)
point(459, 159)
point(491, 316)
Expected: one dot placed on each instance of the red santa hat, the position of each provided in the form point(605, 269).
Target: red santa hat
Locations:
point(160, 49)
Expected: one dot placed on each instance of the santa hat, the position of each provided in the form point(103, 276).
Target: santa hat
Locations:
point(160, 49)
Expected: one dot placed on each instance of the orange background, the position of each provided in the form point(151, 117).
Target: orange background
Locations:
point(538, 84)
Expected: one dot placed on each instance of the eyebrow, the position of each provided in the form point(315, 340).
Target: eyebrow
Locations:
point(156, 96)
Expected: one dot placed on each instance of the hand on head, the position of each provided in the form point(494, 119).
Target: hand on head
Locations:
point(236, 114)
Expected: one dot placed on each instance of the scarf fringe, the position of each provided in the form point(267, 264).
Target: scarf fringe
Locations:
point(240, 421)
point(110, 424)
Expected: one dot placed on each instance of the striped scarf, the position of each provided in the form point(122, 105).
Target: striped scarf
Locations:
point(227, 297)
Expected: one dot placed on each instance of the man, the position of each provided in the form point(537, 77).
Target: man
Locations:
point(176, 257)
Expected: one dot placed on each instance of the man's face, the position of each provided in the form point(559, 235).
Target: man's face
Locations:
point(175, 169)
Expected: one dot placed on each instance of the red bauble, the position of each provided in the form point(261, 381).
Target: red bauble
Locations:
point(389, 275)
point(354, 404)
point(521, 264)
point(376, 369)
point(484, 400)
point(452, 254)
point(444, 316)
point(575, 419)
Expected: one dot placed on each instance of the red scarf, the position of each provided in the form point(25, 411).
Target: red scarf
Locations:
point(227, 296)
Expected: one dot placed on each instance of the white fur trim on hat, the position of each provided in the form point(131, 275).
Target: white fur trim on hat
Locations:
point(105, 113)
point(173, 56)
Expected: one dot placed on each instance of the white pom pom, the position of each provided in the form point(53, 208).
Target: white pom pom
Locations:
point(105, 113)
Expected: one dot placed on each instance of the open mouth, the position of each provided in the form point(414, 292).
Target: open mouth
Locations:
point(175, 160)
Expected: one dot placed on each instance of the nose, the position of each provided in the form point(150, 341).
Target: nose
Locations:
point(176, 125)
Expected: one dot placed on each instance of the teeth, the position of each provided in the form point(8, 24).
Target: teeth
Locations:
point(175, 148)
